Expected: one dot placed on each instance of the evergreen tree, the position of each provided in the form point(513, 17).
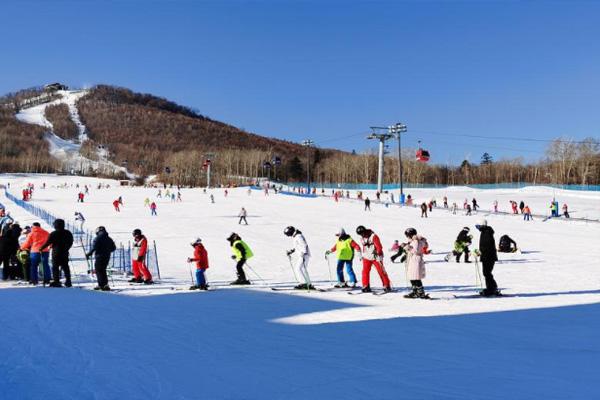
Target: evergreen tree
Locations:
point(486, 159)
point(295, 169)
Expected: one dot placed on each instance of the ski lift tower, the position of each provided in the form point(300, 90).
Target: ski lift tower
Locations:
point(308, 144)
point(396, 130)
point(382, 137)
point(208, 157)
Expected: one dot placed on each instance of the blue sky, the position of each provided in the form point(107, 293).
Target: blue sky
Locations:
point(329, 70)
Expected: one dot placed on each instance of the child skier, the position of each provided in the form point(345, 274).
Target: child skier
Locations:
point(398, 251)
point(372, 253)
point(241, 253)
point(201, 259)
point(344, 250)
point(141, 274)
point(303, 252)
point(461, 245)
point(153, 209)
point(116, 205)
point(416, 265)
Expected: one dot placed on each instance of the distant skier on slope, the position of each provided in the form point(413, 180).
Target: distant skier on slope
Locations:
point(344, 250)
point(302, 255)
point(488, 257)
point(241, 253)
point(415, 265)
point(242, 215)
point(372, 253)
point(80, 218)
point(116, 205)
point(201, 259)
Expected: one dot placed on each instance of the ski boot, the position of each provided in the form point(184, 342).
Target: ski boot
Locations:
point(194, 287)
point(490, 293)
point(203, 287)
point(366, 289)
point(148, 282)
point(341, 285)
point(97, 288)
point(240, 282)
point(105, 288)
point(301, 286)
point(55, 284)
point(135, 280)
point(68, 283)
point(387, 289)
point(413, 294)
point(421, 294)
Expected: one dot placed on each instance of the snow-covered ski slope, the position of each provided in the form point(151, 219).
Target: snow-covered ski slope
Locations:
point(253, 343)
point(68, 151)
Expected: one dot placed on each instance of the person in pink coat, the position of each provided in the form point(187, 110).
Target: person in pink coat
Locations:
point(415, 268)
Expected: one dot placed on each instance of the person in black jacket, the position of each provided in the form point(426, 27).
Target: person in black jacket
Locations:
point(488, 257)
point(102, 246)
point(61, 241)
point(507, 244)
point(5, 251)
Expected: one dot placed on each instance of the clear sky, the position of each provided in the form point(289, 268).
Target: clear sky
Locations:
point(329, 70)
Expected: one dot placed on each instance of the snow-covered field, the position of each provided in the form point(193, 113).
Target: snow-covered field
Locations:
point(254, 343)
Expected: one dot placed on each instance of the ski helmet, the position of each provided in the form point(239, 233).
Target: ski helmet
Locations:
point(100, 229)
point(482, 222)
point(289, 231)
point(137, 232)
point(360, 230)
point(196, 242)
point(466, 229)
point(233, 237)
point(410, 232)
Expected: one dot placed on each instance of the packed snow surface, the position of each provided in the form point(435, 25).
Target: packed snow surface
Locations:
point(160, 342)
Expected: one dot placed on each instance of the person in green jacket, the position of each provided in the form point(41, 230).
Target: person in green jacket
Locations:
point(344, 250)
point(241, 253)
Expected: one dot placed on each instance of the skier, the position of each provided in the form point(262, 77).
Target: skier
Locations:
point(445, 202)
point(5, 218)
point(102, 248)
point(399, 251)
point(81, 219)
point(514, 206)
point(146, 202)
point(495, 206)
point(116, 205)
point(416, 265)
point(468, 209)
point(153, 209)
point(242, 215)
point(201, 259)
point(212, 198)
point(367, 204)
point(179, 199)
point(565, 210)
point(159, 194)
point(372, 253)
point(241, 253)
point(430, 205)
point(80, 197)
point(454, 208)
point(423, 210)
point(488, 257)
point(461, 245)
point(475, 205)
point(344, 250)
point(506, 244)
point(303, 252)
point(8, 247)
point(61, 241)
point(141, 274)
point(527, 214)
point(521, 206)
point(33, 243)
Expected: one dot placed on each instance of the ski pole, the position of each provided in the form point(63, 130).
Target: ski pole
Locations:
point(292, 267)
point(191, 274)
point(255, 273)
point(328, 267)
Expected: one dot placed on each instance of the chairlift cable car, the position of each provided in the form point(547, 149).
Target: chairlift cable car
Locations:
point(422, 154)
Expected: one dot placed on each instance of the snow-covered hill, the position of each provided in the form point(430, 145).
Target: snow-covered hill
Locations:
point(68, 151)
point(253, 343)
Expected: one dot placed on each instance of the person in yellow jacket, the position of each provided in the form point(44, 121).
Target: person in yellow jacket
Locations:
point(241, 253)
point(344, 250)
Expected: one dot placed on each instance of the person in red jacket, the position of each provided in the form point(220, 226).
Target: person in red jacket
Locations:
point(116, 205)
point(141, 274)
point(372, 254)
point(201, 260)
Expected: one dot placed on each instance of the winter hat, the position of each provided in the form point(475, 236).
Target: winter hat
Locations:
point(197, 241)
point(482, 222)
point(341, 232)
point(36, 224)
point(137, 232)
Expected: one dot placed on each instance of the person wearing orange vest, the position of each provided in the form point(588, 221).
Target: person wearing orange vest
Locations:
point(141, 274)
point(527, 214)
point(34, 242)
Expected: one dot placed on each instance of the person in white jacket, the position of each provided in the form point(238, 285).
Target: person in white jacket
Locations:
point(302, 256)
